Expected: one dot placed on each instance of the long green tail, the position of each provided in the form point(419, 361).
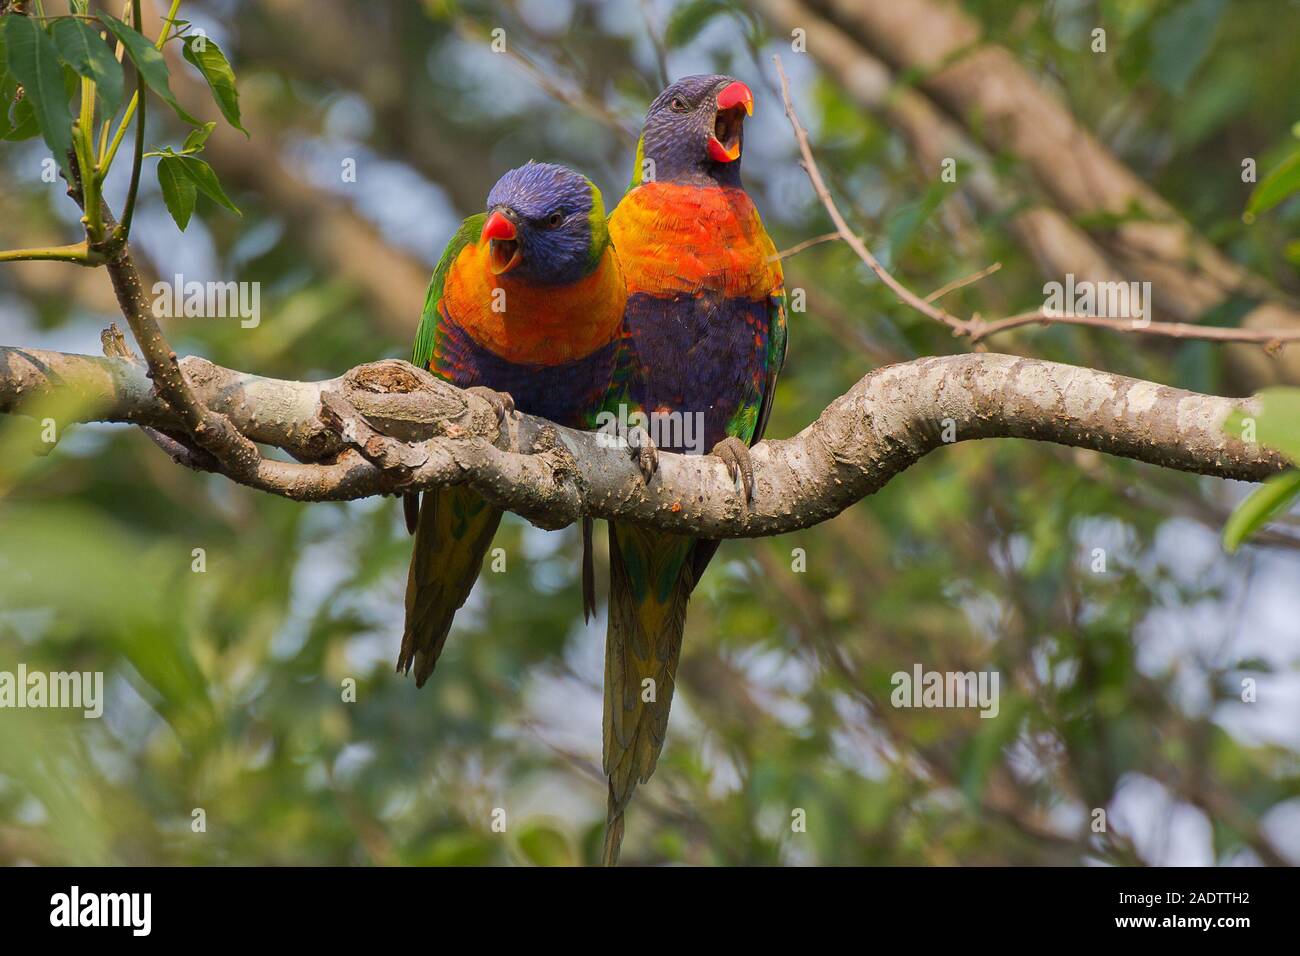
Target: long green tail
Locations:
point(650, 581)
point(453, 533)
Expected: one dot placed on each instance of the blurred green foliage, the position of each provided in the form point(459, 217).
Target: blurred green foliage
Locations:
point(226, 687)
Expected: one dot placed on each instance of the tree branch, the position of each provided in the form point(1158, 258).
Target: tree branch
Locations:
point(212, 432)
point(980, 84)
point(1055, 243)
point(388, 427)
point(977, 329)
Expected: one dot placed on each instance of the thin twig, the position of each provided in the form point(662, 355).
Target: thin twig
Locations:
point(977, 329)
point(961, 283)
point(904, 294)
point(123, 229)
point(656, 41)
point(801, 246)
point(1175, 330)
point(472, 30)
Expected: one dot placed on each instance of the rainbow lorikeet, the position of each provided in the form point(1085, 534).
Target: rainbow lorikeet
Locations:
point(706, 338)
point(526, 303)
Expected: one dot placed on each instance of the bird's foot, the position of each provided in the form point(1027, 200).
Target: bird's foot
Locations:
point(502, 403)
point(735, 455)
point(644, 452)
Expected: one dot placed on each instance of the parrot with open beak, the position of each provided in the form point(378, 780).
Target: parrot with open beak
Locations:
point(705, 331)
point(526, 306)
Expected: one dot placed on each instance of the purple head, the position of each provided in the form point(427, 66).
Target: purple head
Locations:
point(695, 132)
point(546, 224)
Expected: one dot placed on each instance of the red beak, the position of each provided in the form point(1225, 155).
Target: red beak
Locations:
point(737, 94)
point(721, 154)
point(503, 243)
point(498, 227)
point(724, 144)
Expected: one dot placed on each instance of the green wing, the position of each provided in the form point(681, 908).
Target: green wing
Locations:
point(453, 527)
point(777, 341)
point(426, 339)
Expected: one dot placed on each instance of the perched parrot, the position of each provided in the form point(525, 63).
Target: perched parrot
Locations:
point(526, 304)
point(705, 334)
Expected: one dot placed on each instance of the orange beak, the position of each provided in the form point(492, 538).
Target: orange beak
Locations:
point(724, 144)
point(722, 154)
point(503, 243)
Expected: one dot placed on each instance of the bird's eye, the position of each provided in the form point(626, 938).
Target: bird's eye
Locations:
point(554, 219)
point(678, 105)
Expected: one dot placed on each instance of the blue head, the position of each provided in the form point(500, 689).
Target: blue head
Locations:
point(545, 225)
point(694, 132)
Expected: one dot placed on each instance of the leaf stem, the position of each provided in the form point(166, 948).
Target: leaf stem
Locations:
point(85, 145)
point(138, 95)
point(62, 16)
point(128, 210)
point(119, 52)
point(78, 252)
point(167, 24)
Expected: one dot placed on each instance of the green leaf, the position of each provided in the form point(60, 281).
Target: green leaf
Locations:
point(8, 87)
point(1280, 183)
point(1278, 422)
point(206, 180)
point(84, 50)
point(148, 61)
point(1263, 504)
point(25, 124)
point(34, 60)
point(904, 223)
point(689, 19)
point(204, 53)
point(194, 142)
point(1291, 252)
point(71, 82)
point(1181, 39)
point(178, 190)
point(543, 845)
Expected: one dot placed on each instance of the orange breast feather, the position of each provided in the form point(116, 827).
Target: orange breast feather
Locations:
point(534, 324)
point(685, 239)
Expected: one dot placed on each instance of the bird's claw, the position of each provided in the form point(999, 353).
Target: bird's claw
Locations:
point(502, 403)
point(735, 455)
point(643, 452)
